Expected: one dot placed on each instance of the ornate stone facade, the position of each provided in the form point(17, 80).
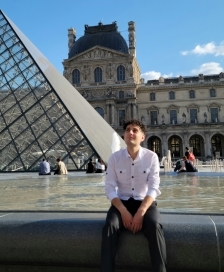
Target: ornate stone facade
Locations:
point(179, 112)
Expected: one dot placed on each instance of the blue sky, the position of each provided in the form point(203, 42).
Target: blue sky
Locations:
point(173, 37)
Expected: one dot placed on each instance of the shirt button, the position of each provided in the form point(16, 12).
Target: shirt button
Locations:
point(132, 176)
point(132, 189)
point(132, 163)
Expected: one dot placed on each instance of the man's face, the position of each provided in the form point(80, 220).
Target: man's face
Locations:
point(133, 135)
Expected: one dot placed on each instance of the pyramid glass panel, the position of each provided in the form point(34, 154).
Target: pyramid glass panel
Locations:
point(41, 114)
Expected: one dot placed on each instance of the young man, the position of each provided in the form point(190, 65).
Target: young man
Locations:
point(135, 173)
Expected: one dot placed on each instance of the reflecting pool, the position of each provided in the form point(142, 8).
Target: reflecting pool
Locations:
point(184, 192)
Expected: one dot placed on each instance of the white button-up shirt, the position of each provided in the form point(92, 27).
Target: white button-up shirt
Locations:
point(137, 178)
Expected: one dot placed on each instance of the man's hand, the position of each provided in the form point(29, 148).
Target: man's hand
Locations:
point(125, 215)
point(137, 222)
point(126, 218)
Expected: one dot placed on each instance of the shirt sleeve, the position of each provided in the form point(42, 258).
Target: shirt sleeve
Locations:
point(154, 179)
point(111, 179)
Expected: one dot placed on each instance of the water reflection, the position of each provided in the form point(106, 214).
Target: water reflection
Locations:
point(190, 192)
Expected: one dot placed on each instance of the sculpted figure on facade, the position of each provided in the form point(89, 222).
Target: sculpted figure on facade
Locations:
point(67, 72)
point(184, 118)
point(85, 71)
point(102, 53)
point(205, 116)
point(129, 69)
point(97, 54)
point(87, 56)
point(109, 92)
point(110, 70)
point(163, 119)
point(221, 75)
point(161, 80)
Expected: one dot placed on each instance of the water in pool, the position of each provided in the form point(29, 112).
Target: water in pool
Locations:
point(185, 192)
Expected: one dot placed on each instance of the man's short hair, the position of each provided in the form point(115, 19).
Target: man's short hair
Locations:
point(58, 159)
point(137, 123)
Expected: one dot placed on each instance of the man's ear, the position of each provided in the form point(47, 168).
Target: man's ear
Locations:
point(143, 137)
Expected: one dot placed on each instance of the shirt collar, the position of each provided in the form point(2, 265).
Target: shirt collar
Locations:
point(140, 153)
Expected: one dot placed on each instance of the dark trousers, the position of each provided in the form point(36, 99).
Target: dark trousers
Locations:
point(151, 228)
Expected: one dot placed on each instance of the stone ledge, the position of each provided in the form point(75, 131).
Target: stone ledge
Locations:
point(73, 240)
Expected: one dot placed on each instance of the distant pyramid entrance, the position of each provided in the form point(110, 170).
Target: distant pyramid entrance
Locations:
point(41, 113)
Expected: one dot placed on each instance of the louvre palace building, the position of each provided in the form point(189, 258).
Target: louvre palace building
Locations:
point(179, 112)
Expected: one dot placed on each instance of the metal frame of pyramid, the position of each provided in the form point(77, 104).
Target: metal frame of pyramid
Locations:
point(41, 114)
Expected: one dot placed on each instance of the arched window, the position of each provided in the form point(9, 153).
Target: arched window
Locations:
point(175, 146)
point(192, 94)
point(120, 73)
point(154, 145)
point(100, 111)
point(121, 94)
point(216, 145)
point(195, 142)
point(76, 76)
point(98, 74)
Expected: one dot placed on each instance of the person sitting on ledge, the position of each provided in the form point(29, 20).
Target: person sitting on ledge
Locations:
point(90, 167)
point(132, 185)
point(45, 168)
point(61, 169)
point(187, 166)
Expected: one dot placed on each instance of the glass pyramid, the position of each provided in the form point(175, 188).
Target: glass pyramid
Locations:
point(41, 113)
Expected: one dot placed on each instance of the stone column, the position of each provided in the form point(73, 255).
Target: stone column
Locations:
point(164, 145)
point(134, 111)
point(112, 114)
point(185, 142)
point(207, 145)
point(108, 113)
point(129, 110)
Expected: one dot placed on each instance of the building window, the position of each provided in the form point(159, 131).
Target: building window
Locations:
point(172, 95)
point(192, 94)
point(121, 116)
point(214, 114)
point(152, 96)
point(100, 111)
point(153, 115)
point(121, 94)
point(212, 93)
point(195, 143)
point(173, 117)
point(216, 145)
point(76, 76)
point(193, 116)
point(175, 146)
point(120, 73)
point(98, 74)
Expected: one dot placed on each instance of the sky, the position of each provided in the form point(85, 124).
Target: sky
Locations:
point(173, 37)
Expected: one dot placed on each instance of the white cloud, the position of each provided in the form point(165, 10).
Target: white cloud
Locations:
point(208, 68)
point(154, 75)
point(209, 48)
